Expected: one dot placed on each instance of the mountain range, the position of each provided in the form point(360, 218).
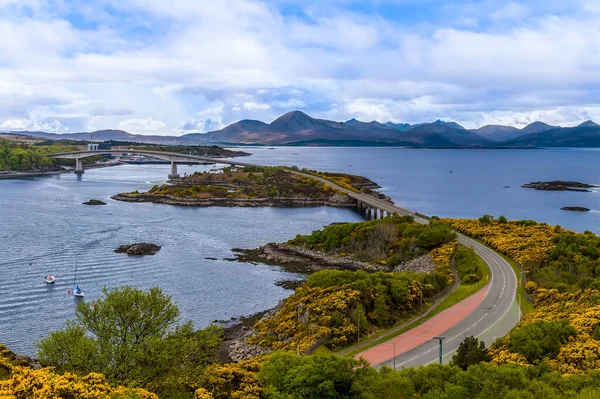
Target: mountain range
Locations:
point(298, 128)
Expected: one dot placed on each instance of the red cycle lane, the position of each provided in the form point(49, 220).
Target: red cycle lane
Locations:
point(424, 332)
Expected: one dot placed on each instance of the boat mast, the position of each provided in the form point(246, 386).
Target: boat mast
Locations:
point(75, 278)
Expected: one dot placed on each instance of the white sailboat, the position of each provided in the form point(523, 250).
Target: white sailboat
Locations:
point(77, 291)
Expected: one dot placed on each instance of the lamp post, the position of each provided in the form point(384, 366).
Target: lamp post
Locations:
point(358, 329)
point(441, 339)
point(394, 343)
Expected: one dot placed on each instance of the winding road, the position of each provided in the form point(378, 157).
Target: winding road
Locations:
point(493, 317)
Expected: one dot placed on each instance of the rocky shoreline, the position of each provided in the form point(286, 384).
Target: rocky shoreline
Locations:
point(337, 201)
point(300, 259)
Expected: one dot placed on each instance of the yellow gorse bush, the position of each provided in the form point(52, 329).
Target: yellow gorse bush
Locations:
point(442, 257)
point(231, 380)
point(306, 317)
point(26, 383)
point(526, 244)
point(582, 310)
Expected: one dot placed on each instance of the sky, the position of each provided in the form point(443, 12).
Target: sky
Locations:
point(172, 67)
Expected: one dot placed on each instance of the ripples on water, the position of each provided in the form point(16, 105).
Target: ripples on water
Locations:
point(43, 222)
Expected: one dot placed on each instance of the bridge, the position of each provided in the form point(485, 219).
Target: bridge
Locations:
point(173, 157)
point(493, 317)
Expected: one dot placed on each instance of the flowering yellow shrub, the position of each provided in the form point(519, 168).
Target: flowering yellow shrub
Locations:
point(527, 244)
point(339, 179)
point(307, 316)
point(442, 256)
point(582, 310)
point(26, 383)
point(231, 380)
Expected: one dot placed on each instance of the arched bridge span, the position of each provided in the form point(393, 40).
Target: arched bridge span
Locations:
point(173, 157)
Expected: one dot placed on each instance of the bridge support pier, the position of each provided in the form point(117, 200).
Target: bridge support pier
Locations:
point(374, 213)
point(78, 166)
point(173, 174)
point(368, 212)
point(381, 214)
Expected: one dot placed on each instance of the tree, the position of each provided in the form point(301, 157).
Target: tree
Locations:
point(131, 336)
point(326, 377)
point(541, 339)
point(470, 351)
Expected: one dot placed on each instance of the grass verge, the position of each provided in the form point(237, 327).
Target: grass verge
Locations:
point(526, 306)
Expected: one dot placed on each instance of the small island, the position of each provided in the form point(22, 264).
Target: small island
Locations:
point(575, 208)
point(254, 186)
point(138, 249)
point(560, 185)
point(94, 202)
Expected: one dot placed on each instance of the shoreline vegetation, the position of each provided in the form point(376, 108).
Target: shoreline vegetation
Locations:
point(255, 186)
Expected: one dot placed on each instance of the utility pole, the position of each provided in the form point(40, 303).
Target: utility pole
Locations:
point(441, 339)
point(358, 322)
point(394, 343)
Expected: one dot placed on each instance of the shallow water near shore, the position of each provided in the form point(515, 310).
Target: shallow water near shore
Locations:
point(42, 222)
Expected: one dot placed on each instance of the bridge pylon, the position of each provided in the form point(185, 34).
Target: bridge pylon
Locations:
point(78, 166)
point(173, 174)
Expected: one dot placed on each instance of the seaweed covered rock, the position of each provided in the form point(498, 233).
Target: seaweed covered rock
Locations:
point(138, 249)
point(94, 202)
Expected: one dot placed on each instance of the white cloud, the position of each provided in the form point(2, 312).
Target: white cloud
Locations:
point(291, 103)
point(33, 125)
point(253, 106)
point(511, 10)
point(101, 111)
point(146, 125)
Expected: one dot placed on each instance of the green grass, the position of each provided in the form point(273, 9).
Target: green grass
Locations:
point(526, 306)
point(462, 292)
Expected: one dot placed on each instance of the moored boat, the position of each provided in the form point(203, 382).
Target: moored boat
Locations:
point(78, 292)
point(50, 279)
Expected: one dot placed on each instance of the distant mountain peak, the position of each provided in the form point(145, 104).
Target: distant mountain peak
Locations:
point(537, 127)
point(294, 114)
point(453, 125)
point(589, 123)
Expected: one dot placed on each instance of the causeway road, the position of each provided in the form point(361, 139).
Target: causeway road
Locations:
point(493, 316)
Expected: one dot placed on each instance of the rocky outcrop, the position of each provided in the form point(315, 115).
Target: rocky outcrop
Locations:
point(575, 208)
point(138, 249)
point(301, 260)
point(422, 264)
point(94, 202)
point(240, 350)
point(559, 185)
point(337, 200)
point(19, 360)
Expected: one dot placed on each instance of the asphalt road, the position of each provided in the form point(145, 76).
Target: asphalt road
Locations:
point(497, 314)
